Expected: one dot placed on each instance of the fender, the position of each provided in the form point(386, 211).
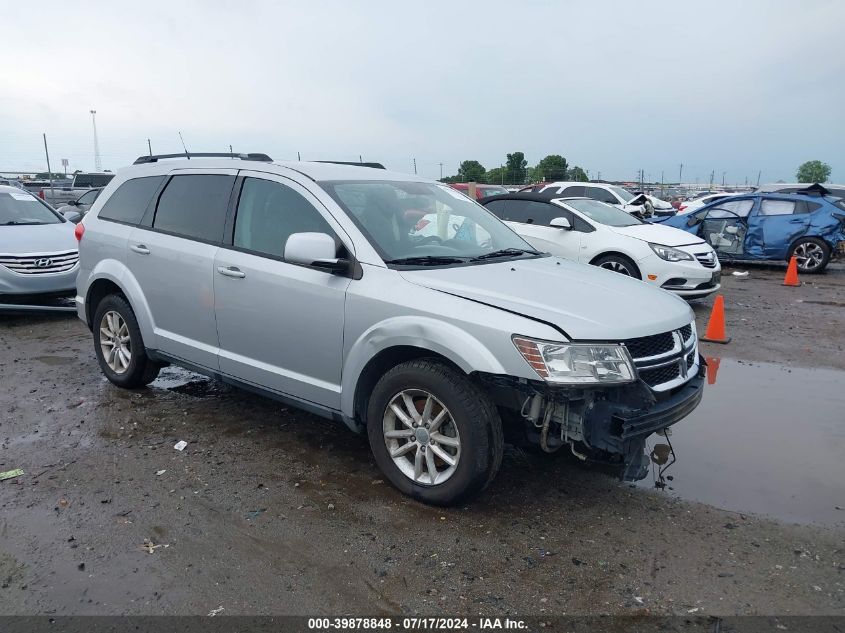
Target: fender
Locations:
point(116, 272)
point(427, 333)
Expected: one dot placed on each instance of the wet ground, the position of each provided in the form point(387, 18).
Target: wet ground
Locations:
point(270, 510)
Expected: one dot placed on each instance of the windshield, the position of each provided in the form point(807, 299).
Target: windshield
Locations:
point(624, 194)
point(603, 213)
point(417, 220)
point(23, 208)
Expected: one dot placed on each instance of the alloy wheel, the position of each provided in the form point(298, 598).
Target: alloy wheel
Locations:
point(809, 255)
point(421, 437)
point(617, 267)
point(114, 342)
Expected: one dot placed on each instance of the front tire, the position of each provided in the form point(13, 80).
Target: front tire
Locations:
point(434, 434)
point(618, 264)
point(812, 255)
point(118, 345)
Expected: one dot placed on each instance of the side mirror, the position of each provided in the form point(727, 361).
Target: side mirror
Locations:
point(72, 216)
point(561, 223)
point(314, 249)
point(692, 221)
point(73, 203)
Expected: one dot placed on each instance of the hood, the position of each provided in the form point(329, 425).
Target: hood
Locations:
point(658, 234)
point(585, 302)
point(38, 238)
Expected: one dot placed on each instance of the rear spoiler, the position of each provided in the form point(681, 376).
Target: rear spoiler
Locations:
point(814, 190)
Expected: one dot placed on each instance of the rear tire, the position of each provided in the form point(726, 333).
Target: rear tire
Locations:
point(618, 264)
point(442, 416)
point(118, 345)
point(812, 253)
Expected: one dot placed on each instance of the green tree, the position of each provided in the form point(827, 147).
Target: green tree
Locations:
point(515, 167)
point(813, 171)
point(552, 167)
point(577, 174)
point(472, 170)
point(496, 175)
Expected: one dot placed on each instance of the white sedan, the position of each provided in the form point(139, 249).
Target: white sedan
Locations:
point(688, 206)
point(592, 232)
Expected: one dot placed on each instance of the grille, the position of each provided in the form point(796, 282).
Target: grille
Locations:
point(686, 332)
point(40, 264)
point(705, 259)
point(691, 358)
point(646, 346)
point(654, 377)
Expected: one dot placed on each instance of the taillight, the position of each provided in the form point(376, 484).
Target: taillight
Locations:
point(41, 194)
point(79, 231)
point(681, 207)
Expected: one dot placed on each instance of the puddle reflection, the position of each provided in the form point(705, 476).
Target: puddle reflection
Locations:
point(766, 439)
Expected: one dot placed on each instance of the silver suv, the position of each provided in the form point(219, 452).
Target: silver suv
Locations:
point(389, 302)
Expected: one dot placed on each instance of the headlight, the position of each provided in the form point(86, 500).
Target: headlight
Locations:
point(577, 363)
point(670, 254)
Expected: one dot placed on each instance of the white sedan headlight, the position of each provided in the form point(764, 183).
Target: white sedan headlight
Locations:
point(670, 254)
point(577, 363)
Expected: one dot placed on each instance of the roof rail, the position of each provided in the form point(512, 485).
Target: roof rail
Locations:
point(141, 160)
point(354, 164)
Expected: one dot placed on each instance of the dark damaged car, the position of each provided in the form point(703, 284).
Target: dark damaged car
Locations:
point(809, 225)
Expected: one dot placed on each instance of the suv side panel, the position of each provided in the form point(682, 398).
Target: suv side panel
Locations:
point(176, 271)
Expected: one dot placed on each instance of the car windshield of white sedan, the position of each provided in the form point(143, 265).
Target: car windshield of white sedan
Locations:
point(603, 213)
point(22, 208)
point(424, 224)
point(624, 194)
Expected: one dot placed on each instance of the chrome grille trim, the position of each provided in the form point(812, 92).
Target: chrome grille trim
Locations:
point(40, 263)
point(673, 367)
point(708, 260)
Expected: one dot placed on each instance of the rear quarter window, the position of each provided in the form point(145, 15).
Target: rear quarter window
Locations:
point(128, 203)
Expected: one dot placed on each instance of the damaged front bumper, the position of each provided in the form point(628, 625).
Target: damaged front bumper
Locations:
point(605, 425)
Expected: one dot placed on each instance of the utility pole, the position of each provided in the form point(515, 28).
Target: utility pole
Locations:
point(758, 178)
point(441, 170)
point(599, 177)
point(712, 175)
point(49, 169)
point(298, 157)
point(415, 166)
point(230, 149)
point(681, 174)
point(97, 164)
point(723, 179)
point(150, 147)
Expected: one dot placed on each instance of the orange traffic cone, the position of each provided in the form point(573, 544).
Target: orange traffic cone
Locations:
point(712, 369)
point(716, 325)
point(791, 278)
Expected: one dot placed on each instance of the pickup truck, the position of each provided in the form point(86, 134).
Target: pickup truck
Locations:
point(59, 195)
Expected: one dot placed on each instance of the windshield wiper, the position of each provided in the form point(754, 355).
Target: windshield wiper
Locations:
point(505, 252)
point(427, 260)
point(18, 223)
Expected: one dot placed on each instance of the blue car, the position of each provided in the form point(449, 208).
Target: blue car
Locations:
point(772, 227)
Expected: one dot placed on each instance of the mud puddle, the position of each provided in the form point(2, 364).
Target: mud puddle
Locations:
point(766, 439)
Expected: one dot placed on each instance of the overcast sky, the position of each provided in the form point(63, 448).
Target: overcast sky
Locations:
point(612, 86)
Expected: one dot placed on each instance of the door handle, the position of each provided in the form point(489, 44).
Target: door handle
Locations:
point(231, 271)
point(140, 249)
point(796, 221)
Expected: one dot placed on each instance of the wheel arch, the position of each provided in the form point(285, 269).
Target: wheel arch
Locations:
point(111, 276)
point(617, 254)
point(400, 339)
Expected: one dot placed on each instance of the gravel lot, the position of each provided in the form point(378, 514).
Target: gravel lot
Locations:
point(273, 511)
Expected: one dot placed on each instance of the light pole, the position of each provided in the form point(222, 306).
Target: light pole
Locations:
point(97, 165)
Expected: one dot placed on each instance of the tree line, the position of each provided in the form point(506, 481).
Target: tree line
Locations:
point(516, 171)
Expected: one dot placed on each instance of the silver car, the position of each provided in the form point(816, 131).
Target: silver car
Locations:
point(307, 282)
point(38, 251)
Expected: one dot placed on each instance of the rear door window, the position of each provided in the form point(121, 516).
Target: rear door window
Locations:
point(128, 203)
point(531, 212)
point(576, 191)
point(194, 206)
point(777, 207)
